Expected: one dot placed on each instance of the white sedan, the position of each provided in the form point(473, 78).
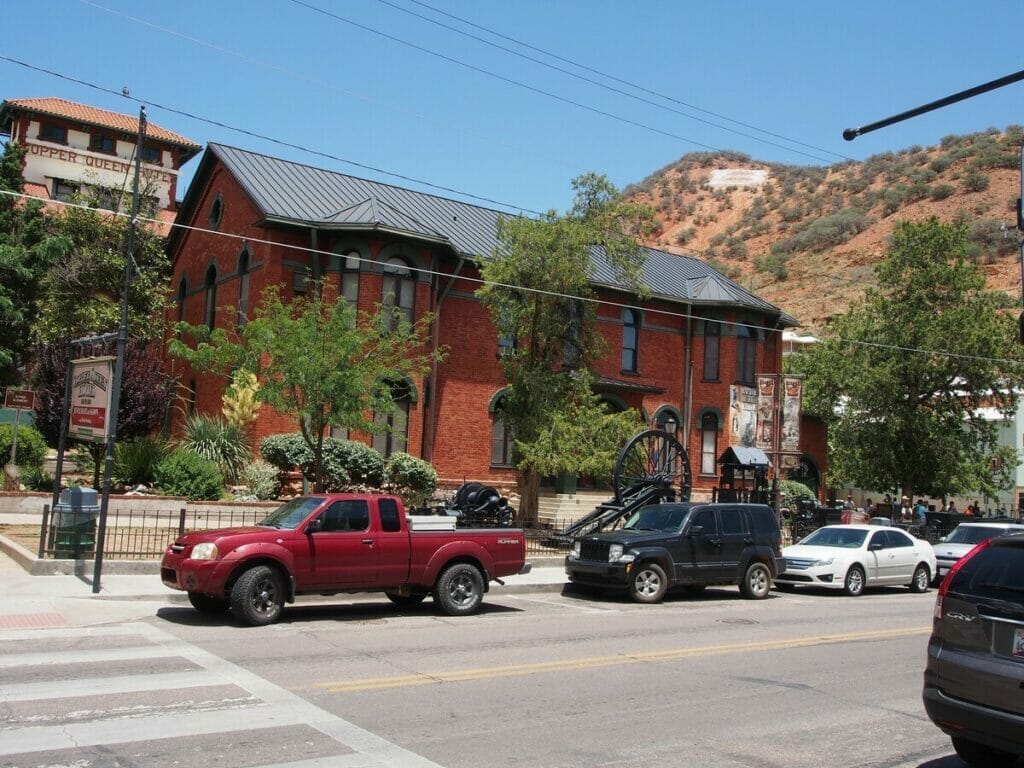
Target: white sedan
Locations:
point(852, 557)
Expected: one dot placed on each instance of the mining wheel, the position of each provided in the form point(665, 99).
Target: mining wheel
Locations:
point(653, 459)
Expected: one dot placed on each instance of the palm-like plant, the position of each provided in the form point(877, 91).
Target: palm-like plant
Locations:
point(215, 439)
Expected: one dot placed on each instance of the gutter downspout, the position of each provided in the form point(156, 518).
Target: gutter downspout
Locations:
point(688, 378)
point(314, 243)
point(429, 435)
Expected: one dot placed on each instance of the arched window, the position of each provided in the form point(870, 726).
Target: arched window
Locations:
point(708, 443)
point(395, 435)
point(348, 277)
point(746, 354)
point(398, 290)
point(712, 338)
point(210, 314)
point(243, 286)
point(630, 340)
point(502, 441)
point(182, 291)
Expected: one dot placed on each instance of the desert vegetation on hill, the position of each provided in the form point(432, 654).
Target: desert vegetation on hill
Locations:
point(808, 237)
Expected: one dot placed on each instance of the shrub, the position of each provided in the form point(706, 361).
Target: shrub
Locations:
point(411, 478)
point(31, 446)
point(286, 451)
point(216, 440)
point(942, 191)
point(262, 479)
point(976, 182)
point(36, 479)
point(135, 461)
point(793, 490)
point(185, 473)
point(345, 461)
point(362, 464)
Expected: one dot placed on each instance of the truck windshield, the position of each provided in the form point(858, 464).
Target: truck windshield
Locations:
point(657, 517)
point(292, 513)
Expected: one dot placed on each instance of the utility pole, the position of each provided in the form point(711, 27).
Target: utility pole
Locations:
point(122, 344)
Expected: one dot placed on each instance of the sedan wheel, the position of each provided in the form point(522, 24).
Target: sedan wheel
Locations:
point(853, 585)
point(922, 578)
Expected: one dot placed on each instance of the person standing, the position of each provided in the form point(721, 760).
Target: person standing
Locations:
point(951, 509)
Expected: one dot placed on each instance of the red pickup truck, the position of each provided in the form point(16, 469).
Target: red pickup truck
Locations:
point(344, 542)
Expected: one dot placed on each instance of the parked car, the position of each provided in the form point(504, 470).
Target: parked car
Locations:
point(963, 539)
point(854, 557)
point(973, 679)
point(335, 543)
point(689, 545)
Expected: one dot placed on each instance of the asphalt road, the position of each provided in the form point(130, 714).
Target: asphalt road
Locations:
point(796, 681)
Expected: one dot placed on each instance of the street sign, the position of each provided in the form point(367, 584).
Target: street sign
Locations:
point(24, 399)
point(90, 398)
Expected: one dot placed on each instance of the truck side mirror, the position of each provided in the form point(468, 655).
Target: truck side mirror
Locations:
point(314, 525)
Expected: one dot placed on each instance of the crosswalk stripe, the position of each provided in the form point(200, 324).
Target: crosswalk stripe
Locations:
point(82, 656)
point(89, 686)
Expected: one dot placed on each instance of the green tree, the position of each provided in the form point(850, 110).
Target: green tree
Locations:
point(537, 286)
point(903, 375)
point(316, 360)
point(24, 259)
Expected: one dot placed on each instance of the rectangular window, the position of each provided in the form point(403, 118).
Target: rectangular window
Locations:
point(58, 134)
point(99, 142)
point(501, 444)
point(712, 336)
point(708, 444)
point(300, 283)
point(64, 190)
point(389, 519)
point(745, 359)
point(151, 155)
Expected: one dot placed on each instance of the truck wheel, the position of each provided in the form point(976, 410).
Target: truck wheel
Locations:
point(459, 589)
point(405, 601)
point(258, 596)
point(649, 583)
point(206, 604)
point(757, 582)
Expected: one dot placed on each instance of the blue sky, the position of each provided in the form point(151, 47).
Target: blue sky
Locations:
point(370, 83)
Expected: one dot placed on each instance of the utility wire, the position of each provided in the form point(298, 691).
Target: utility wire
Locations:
point(627, 82)
point(607, 87)
point(539, 291)
point(517, 83)
point(280, 142)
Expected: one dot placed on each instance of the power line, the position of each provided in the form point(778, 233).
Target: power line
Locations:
point(263, 137)
point(512, 81)
point(607, 87)
point(539, 291)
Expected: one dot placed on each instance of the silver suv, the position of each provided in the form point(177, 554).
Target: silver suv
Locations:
point(962, 540)
point(974, 681)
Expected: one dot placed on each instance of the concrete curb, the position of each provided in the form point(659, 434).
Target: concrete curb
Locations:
point(35, 566)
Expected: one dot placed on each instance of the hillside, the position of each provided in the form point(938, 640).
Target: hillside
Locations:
point(807, 238)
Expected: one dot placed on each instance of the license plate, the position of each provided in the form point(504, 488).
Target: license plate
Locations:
point(1018, 642)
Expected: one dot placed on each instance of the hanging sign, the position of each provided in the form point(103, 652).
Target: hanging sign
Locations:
point(766, 384)
point(792, 405)
point(91, 380)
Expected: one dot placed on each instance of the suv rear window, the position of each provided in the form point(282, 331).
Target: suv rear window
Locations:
point(763, 521)
point(995, 573)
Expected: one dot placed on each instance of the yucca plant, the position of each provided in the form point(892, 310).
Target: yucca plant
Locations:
point(215, 439)
point(135, 460)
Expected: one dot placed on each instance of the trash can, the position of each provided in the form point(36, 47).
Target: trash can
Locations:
point(74, 523)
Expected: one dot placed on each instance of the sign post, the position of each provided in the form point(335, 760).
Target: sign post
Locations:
point(20, 400)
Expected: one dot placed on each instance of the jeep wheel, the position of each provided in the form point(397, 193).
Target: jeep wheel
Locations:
point(853, 585)
point(206, 604)
point(258, 596)
point(922, 579)
point(757, 582)
point(459, 589)
point(648, 584)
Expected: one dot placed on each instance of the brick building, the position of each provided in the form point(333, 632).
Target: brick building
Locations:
point(688, 360)
point(74, 149)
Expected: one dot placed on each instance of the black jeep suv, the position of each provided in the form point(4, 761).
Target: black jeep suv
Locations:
point(690, 545)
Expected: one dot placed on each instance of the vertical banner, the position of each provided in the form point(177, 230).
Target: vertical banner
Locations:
point(742, 415)
point(90, 398)
point(792, 405)
point(766, 413)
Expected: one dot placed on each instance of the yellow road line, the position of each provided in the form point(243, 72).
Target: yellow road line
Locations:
point(593, 662)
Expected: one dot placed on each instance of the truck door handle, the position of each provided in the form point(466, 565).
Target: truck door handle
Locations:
point(368, 541)
point(715, 542)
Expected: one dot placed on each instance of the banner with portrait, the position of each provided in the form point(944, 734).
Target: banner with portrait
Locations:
point(765, 413)
point(792, 407)
point(742, 415)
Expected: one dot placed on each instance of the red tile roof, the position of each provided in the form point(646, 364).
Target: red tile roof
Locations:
point(99, 117)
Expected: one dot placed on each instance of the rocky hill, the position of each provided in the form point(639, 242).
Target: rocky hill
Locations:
point(807, 238)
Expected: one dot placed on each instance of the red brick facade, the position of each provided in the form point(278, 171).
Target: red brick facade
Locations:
point(450, 419)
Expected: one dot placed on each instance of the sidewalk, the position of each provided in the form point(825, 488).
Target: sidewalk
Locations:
point(67, 599)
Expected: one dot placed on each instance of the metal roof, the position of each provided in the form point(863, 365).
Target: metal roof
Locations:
point(292, 193)
point(744, 456)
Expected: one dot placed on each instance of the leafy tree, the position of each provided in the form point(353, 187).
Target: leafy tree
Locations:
point(24, 259)
point(536, 289)
point(316, 360)
point(903, 374)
